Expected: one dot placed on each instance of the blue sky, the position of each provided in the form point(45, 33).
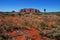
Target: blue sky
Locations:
point(50, 5)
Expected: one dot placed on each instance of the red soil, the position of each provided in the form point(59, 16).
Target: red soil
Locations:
point(29, 31)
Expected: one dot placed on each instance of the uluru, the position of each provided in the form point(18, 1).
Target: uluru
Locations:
point(28, 10)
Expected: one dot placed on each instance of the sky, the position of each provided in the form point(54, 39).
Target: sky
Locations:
point(49, 5)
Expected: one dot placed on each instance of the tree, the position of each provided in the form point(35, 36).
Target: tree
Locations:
point(44, 10)
point(13, 11)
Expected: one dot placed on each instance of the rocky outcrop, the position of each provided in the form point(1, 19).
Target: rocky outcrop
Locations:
point(28, 10)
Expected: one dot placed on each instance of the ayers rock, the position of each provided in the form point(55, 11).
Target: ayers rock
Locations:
point(29, 10)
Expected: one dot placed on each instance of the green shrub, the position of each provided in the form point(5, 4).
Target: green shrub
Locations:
point(58, 21)
point(54, 32)
point(43, 24)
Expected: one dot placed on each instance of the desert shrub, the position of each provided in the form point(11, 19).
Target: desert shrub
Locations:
point(21, 14)
point(1, 38)
point(43, 24)
point(42, 31)
point(54, 32)
point(54, 25)
point(39, 14)
point(12, 14)
point(58, 21)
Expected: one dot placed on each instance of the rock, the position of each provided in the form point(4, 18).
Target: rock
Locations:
point(29, 10)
